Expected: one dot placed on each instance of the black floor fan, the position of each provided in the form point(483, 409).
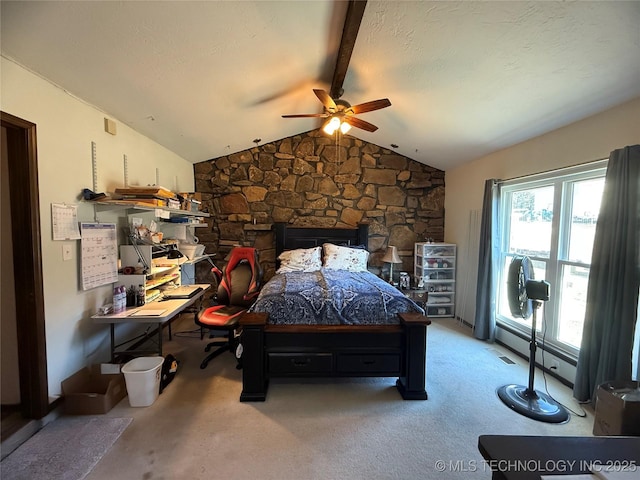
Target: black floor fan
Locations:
point(525, 297)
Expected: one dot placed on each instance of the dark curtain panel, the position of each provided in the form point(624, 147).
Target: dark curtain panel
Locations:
point(614, 278)
point(485, 321)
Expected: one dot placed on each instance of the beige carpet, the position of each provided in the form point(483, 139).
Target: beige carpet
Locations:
point(327, 429)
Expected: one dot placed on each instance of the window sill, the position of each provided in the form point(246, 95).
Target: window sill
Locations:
point(568, 357)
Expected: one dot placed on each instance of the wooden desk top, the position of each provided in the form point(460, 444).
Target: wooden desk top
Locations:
point(514, 457)
point(163, 310)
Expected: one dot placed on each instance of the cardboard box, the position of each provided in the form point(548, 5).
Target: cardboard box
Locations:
point(615, 416)
point(192, 201)
point(89, 392)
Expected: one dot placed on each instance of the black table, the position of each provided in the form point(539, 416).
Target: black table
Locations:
point(513, 457)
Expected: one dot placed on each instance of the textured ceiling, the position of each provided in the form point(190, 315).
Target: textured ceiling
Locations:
point(206, 78)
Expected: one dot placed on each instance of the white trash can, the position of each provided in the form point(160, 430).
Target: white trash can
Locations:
point(142, 376)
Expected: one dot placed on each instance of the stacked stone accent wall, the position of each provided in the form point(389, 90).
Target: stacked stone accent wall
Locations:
point(313, 180)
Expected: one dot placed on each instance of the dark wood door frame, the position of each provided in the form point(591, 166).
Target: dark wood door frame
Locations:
point(27, 258)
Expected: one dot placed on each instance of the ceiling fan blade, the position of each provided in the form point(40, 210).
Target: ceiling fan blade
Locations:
point(326, 99)
point(370, 106)
point(358, 123)
point(305, 115)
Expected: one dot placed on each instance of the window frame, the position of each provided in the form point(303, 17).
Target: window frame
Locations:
point(563, 181)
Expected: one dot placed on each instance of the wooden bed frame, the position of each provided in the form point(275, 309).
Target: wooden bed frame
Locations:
point(271, 351)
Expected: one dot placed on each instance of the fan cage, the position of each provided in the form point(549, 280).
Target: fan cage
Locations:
point(520, 272)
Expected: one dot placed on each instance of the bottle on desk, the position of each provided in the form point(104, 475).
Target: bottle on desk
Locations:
point(123, 297)
point(116, 298)
point(119, 298)
point(140, 296)
point(132, 296)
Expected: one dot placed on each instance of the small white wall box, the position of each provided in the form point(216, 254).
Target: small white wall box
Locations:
point(89, 392)
point(110, 126)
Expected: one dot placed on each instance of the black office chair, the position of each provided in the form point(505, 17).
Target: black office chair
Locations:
point(238, 286)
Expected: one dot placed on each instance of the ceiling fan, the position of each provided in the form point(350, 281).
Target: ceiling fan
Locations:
point(341, 113)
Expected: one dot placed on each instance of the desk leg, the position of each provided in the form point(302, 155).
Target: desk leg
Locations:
point(113, 342)
point(160, 338)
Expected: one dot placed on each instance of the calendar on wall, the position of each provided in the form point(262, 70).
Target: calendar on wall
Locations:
point(64, 222)
point(99, 254)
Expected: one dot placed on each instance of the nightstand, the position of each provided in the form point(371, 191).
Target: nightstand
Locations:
point(418, 295)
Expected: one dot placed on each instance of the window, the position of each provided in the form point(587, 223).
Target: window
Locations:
point(551, 218)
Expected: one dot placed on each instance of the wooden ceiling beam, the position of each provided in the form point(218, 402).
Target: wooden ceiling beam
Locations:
point(355, 12)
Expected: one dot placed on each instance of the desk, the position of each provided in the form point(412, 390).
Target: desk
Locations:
point(528, 457)
point(164, 311)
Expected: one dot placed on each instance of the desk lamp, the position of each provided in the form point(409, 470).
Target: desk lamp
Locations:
point(170, 250)
point(141, 259)
point(391, 257)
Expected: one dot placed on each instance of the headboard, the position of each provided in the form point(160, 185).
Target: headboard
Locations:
point(289, 237)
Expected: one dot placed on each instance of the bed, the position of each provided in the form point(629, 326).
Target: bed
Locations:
point(354, 348)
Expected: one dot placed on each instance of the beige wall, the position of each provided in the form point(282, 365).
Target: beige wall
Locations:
point(66, 126)
point(590, 139)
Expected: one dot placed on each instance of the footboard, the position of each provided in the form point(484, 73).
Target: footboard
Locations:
point(334, 351)
point(254, 367)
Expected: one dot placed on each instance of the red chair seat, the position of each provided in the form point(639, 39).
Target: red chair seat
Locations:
point(209, 317)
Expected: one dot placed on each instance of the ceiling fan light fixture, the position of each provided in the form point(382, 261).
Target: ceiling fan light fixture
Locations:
point(332, 125)
point(336, 112)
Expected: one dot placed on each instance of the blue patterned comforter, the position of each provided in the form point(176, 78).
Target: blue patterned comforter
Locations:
point(331, 297)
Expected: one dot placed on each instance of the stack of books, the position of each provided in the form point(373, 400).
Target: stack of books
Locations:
point(148, 196)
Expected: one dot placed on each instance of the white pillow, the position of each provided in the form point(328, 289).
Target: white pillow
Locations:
point(345, 258)
point(300, 260)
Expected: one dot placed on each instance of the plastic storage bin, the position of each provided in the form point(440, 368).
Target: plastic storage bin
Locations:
point(142, 376)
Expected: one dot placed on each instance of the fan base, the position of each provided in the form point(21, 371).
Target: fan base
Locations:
point(533, 404)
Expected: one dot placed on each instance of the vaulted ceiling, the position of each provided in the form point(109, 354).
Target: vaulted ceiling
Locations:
point(208, 78)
